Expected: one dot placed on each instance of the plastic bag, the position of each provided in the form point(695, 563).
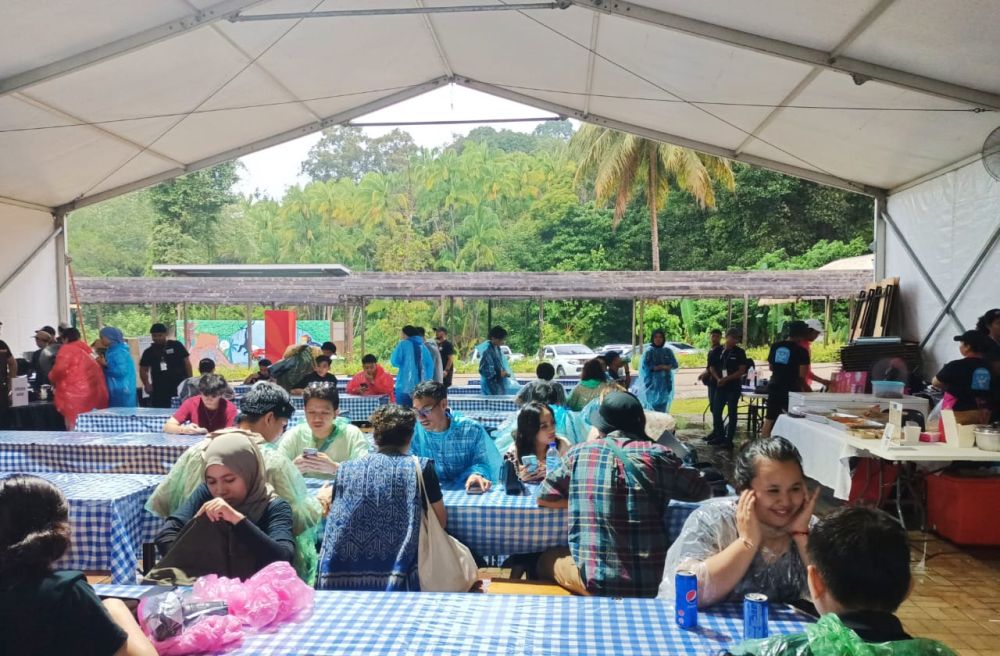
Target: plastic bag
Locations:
point(709, 530)
point(273, 595)
point(829, 637)
point(79, 382)
point(296, 365)
point(178, 624)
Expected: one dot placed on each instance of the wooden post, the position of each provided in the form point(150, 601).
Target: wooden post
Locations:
point(329, 319)
point(642, 326)
point(152, 313)
point(634, 343)
point(826, 321)
point(249, 342)
point(184, 311)
point(729, 313)
point(746, 317)
point(489, 314)
point(541, 322)
point(214, 312)
point(364, 304)
point(349, 331)
point(441, 312)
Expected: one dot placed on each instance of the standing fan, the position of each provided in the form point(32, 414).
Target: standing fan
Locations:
point(991, 154)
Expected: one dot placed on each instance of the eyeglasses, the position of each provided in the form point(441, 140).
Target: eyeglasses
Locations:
point(425, 412)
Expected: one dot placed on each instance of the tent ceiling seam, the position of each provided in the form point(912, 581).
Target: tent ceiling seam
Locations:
point(124, 45)
point(595, 26)
point(25, 204)
point(860, 70)
point(428, 21)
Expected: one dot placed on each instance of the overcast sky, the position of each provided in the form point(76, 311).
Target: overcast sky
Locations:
point(273, 170)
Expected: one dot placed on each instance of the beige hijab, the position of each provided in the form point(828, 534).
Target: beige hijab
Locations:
point(239, 453)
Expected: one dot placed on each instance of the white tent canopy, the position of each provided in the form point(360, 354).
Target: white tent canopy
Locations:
point(103, 97)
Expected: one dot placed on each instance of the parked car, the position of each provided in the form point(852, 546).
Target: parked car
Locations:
point(625, 350)
point(511, 356)
point(568, 359)
point(680, 348)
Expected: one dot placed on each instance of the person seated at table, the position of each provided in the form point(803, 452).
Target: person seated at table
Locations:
point(77, 378)
point(544, 373)
point(592, 380)
point(233, 524)
point(205, 413)
point(372, 531)
point(536, 430)
point(789, 364)
point(728, 369)
point(616, 368)
point(858, 577)
point(320, 376)
point(189, 387)
point(263, 372)
point(329, 349)
point(46, 611)
point(616, 489)
point(657, 371)
point(461, 449)
point(119, 369)
point(264, 412)
point(756, 543)
point(334, 439)
point(491, 368)
point(968, 384)
point(414, 364)
point(569, 424)
point(372, 380)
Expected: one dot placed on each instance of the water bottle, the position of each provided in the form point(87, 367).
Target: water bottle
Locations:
point(552, 458)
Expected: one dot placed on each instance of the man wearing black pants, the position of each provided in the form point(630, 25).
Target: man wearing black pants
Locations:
point(728, 374)
point(789, 364)
point(706, 377)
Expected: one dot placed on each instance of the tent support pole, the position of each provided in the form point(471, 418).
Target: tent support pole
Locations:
point(364, 305)
point(826, 321)
point(746, 316)
point(541, 322)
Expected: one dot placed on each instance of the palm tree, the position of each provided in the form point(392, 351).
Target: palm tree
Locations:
point(620, 162)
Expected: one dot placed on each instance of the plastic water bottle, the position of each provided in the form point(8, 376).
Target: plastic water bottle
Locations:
point(552, 458)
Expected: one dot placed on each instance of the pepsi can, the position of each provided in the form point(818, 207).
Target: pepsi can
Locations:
point(686, 608)
point(754, 616)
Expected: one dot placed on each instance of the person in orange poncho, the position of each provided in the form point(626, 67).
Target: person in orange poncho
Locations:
point(372, 381)
point(77, 378)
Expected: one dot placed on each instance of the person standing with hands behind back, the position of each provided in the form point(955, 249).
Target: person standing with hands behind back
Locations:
point(163, 366)
point(731, 366)
point(491, 369)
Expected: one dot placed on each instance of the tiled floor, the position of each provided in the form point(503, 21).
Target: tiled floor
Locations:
point(956, 593)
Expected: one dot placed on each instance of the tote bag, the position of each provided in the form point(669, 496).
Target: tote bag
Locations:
point(443, 563)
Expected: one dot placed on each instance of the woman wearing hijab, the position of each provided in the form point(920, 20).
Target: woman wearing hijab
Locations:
point(119, 369)
point(658, 366)
point(233, 524)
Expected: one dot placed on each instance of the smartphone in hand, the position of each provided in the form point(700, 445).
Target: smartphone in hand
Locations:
point(309, 452)
point(474, 489)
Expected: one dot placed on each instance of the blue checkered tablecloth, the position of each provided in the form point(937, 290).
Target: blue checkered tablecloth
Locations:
point(486, 625)
point(93, 453)
point(357, 408)
point(136, 420)
point(489, 420)
point(240, 390)
point(106, 517)
point(472, 387)
point(467, 404)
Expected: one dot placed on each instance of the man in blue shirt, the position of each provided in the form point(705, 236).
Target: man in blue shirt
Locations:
point(491, 369)
point(414, 362)
point(462, 451)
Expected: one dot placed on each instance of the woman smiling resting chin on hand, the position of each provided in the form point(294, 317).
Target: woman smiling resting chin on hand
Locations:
point(756, 543)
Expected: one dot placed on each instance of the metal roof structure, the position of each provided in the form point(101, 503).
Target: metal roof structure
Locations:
point(357, 287)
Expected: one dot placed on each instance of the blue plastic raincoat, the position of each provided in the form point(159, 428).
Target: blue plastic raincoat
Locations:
point(415, 364)
point(119, 374)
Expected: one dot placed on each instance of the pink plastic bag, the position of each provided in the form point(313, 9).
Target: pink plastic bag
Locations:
point(272, 595)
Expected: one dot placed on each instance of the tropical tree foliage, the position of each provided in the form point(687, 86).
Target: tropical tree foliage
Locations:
point(492, 201)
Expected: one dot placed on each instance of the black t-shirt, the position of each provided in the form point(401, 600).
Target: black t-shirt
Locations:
point(316, 378)
point(431, 484)
point(729, 361)
point(166, 366)
point(785, 359)
point(713, 363)
point(970, 381)
point(446, 348)
point(58, 613)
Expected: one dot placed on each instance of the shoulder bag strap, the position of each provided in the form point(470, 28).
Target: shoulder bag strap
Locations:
point(423, 488)
point(631, 471)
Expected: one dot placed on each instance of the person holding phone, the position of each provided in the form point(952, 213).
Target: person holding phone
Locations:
point(372, 380)
point(319, 446)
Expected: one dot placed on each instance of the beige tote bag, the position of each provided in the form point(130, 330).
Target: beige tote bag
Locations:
point(443, 563)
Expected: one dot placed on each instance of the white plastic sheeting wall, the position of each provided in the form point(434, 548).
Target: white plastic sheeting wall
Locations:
point(31, 299)
point(947, 222)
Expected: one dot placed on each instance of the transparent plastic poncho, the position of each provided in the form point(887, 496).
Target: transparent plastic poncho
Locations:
point(710, 529)
point(307, 513)
point(829, 637)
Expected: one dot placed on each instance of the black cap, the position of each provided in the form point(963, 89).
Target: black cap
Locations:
point(619, 411)
point(797, 328)
point(975, 340)
point(157, 328)
point(265, 397)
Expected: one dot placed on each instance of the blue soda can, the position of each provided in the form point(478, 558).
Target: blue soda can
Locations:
point(686, 604)
point(754, 616)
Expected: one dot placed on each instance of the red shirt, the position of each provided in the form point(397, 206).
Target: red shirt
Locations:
point(382, 385)
point(194, 410)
